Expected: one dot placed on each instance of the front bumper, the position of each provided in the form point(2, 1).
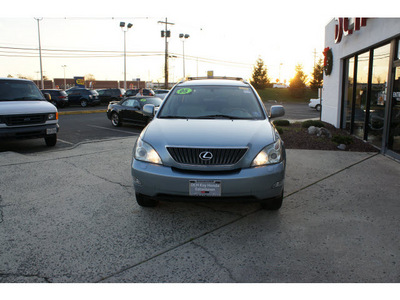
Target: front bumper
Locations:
point(28, 131)
point(256, 183)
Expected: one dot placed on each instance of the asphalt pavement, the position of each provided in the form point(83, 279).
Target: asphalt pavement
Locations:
point(71, 216)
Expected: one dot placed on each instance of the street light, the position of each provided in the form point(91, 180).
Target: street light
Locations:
point(40, 53)
point(125, 29)
point(65, 81)
point(183, 37)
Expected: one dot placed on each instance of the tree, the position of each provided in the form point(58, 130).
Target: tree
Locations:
point(317, 75)
point(298, 82)
point(260, 78)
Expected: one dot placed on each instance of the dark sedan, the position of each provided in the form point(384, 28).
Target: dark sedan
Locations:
point(130, 110)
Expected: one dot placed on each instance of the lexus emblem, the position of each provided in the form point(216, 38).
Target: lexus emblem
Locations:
point(205, 155)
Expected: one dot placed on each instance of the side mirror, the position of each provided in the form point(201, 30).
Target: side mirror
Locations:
point(277, 111)
point(47, 96)
point(149, 110)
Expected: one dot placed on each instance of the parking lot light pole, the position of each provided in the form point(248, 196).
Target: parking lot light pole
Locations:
point(40, 53)
point(65, 81)
point(125, 29)
point(183, 37)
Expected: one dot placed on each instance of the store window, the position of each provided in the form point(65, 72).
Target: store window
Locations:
point(394, 127)
point(380, 69)
point(348, 94)
point(361, 94)
point(398, 49)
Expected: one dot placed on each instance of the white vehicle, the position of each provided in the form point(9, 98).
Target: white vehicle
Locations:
point(25, 112)
point(315, 103)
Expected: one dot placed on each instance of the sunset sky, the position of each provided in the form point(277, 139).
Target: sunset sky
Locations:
point(226, 37)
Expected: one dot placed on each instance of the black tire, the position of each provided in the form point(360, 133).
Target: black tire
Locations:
point(115, 120)
point(84, 102)
point(51, 140)
point(318, 107)
point(272, 204)
point(145, 201)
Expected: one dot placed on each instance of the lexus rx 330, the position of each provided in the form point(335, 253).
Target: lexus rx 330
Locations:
point(211, 139)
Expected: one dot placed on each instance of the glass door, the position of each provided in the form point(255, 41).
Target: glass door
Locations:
point(394, 125)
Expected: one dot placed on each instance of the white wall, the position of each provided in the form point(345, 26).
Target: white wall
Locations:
point(376, 31)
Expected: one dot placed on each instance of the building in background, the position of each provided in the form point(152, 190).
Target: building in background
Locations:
point(361, 90)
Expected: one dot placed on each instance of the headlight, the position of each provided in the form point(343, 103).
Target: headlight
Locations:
point(52, 116)
point(271, 154)
point(145, 152)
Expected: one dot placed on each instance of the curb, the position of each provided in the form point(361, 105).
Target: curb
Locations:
point(78, 112)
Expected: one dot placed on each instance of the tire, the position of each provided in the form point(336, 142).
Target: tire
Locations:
point(84, 103)
point(272, 204)
point(115, 120)
point(51, 140)
point(145, 201)
point(318, 107)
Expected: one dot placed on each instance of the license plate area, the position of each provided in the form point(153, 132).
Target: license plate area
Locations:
point(205, 188)
point(51, 130)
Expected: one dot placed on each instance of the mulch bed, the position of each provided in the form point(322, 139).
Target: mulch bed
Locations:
point(296, 137)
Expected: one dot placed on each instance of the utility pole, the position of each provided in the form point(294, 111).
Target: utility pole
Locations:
point(166, 34)
point(315, 56)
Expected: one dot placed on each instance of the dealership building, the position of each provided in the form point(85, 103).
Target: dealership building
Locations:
point(361, 90)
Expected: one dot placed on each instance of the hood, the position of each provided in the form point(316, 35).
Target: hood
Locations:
point(216, 133)
point(26, 107)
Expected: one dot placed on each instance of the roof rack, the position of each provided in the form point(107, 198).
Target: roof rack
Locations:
point(215, 77)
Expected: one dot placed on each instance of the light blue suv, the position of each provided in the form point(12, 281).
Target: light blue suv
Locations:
point(211, 139)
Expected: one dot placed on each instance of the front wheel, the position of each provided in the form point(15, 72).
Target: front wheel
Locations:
point(145, 201)
point(84, 103)
point(51, 140)
point(273, 204)
point(318, 107)
point(115, 121)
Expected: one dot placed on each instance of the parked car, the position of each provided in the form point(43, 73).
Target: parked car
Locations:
point(83, 97)
point(211, 138)
point(315, 103)
point(25, 112)
point(161, 93)
point(130, 110)
point(108, 95)
point(59, 98)
point(133, 92)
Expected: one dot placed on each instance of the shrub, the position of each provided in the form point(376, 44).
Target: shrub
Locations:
point(281, 122)
point(342, 139)
point(315, 123)
point(279, 129)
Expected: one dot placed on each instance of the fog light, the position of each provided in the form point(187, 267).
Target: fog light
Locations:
point(136, 181)
point(277, 184)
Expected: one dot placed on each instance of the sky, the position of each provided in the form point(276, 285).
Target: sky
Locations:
point(226, 37)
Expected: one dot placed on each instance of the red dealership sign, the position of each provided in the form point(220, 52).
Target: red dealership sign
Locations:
point(346, 26)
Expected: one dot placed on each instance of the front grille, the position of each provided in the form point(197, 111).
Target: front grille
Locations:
point(220, 156)
point(25, 119)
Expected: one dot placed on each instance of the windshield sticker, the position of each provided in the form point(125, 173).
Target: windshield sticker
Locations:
point(184, 91)
point(143, 100)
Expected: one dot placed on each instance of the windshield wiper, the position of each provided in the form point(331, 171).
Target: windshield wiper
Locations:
point(26, 98)
point(173, 117)
point(218, 116)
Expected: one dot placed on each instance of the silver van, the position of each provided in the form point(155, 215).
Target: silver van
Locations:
point(211, 139)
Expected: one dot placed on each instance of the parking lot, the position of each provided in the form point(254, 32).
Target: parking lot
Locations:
point(71, 216)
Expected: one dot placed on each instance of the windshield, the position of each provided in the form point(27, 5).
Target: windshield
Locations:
point(14, 90)
point(211, 102)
